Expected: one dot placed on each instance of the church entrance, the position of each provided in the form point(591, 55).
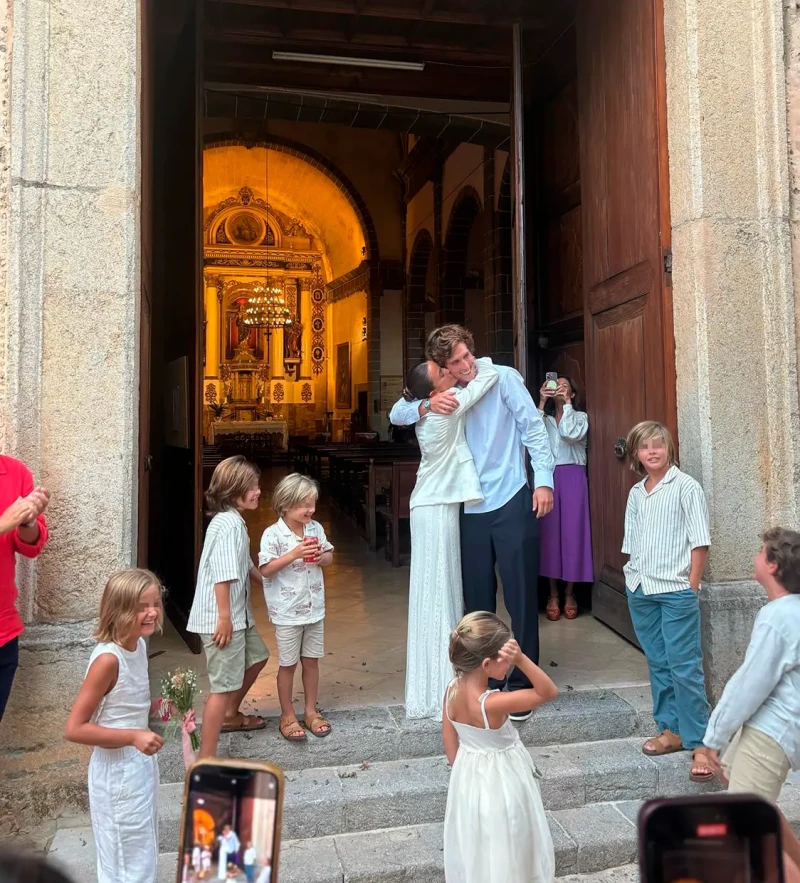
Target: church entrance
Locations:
point(348, 174)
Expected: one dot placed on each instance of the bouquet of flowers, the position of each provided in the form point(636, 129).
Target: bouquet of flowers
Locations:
point(178, 691)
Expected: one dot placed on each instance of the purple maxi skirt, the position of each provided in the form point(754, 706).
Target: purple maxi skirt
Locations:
point(565, 550)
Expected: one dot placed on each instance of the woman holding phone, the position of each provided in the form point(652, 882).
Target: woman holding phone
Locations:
point(565, 534)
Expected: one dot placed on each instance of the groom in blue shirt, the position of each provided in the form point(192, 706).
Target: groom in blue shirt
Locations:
point(503, 527)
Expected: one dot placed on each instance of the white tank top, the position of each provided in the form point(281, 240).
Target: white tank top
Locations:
point(127, 704)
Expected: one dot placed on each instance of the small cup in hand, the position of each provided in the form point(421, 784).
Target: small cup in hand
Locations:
point(311, 546)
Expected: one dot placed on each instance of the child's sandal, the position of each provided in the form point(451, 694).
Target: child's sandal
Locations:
point(292, 731)
point(317, 726)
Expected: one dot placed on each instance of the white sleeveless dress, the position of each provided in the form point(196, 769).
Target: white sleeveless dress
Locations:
point(495, 829)
point(123, 782)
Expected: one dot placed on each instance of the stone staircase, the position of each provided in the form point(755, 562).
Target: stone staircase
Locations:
point(366, 804)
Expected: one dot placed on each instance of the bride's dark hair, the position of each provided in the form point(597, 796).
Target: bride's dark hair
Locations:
point(418, 383)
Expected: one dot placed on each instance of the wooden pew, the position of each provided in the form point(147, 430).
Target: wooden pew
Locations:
point(397, 509)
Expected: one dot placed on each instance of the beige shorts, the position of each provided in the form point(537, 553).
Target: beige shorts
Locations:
point(226, 667)
point(755, 764)
point(295, 641)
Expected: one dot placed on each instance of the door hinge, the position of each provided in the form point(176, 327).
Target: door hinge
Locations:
point(668, 261)
point(148, 463)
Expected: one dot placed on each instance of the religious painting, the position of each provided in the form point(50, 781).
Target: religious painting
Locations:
point(344, 398)
point(245, 228)
point(235, 330)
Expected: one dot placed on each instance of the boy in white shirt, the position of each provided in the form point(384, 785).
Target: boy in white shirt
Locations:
point(293, 552)
point(249, 862)
point(761, 702)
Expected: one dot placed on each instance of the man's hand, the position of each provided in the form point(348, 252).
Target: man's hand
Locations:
point(444, 402)
point(542, 501)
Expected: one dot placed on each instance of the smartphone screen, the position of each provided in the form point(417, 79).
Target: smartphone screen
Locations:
point(230, 826)
point(716, 839)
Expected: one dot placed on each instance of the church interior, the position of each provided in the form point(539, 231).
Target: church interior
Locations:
point(346, 210)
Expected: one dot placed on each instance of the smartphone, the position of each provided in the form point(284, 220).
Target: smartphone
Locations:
point(232, 816)
point(712, 838)
point(551, 380)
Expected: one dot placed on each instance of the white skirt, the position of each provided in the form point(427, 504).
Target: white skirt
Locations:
point(435, 606)
point(495, 828)
point(123, 799)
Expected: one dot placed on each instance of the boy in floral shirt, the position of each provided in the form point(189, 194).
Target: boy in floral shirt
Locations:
point(293, 552)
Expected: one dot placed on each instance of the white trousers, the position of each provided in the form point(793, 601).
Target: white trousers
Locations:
point(123, 799)
point(435, 606)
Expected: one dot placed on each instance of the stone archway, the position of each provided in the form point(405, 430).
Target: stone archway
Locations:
point(466, 210)
point(416, 298)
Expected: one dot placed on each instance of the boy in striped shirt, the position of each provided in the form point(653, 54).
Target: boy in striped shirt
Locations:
point(667, 539)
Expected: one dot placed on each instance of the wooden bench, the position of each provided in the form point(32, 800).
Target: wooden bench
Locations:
point(398, 506)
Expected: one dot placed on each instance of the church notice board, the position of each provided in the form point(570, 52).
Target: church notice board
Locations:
point(391, 390)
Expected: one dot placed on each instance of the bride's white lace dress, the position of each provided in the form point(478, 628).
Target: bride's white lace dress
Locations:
point(446, 478)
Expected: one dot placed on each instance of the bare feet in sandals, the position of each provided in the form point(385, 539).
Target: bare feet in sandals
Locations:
point(291, 730)
point(702, 769)
point(317, 725)
point(243, 722)
point(666, 743)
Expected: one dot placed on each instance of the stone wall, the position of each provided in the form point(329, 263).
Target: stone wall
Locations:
point(5, 193)
point(733, 293)
point(70, 305)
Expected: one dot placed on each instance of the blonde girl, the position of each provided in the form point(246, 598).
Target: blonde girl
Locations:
point(111, 713)
point(495, 828)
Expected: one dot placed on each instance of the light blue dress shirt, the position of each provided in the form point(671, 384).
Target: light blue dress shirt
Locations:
point(499, 428)
point(765, 692)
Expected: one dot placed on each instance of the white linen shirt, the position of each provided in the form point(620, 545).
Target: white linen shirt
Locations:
point(765, 691)
point(662, 528)
point(226, 556)
point(498, 430)
point(568, 438)
point(296, 594)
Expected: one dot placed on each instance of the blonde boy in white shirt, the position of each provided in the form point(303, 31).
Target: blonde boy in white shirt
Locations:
point(293, 552)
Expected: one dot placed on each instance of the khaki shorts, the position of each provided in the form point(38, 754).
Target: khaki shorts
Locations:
point(226, 667)
point(755, 764)
point(295, 641)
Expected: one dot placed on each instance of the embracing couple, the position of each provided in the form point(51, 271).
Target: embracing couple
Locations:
point(474, 421)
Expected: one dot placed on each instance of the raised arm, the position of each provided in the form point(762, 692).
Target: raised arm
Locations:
point(531, 427)
point(485, 379)
point(574, 425)
point(404, 413)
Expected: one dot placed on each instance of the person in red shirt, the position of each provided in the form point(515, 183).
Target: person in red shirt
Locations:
point(23, 530)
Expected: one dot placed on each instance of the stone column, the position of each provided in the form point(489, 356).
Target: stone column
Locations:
point(72, 364)
point(214, 293)
point(733, 296)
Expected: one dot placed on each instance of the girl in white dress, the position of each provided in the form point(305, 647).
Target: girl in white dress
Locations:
point(495, 829)
point(112, 713)
point(446, 478)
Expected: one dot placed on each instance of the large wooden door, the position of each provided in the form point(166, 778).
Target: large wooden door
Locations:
point(625, 220)
point(174, 522)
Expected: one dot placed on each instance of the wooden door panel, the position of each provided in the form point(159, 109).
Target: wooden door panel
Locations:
point(620, 67)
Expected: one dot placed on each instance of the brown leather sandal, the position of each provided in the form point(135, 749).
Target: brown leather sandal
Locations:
point(317, 726)
point(553, 610)
point(291, 730)
point(243, 722)
point(570, 609)
point(701, 771)
point(657, 748)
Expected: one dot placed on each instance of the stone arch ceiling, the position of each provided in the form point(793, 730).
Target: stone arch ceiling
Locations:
point(297, 189)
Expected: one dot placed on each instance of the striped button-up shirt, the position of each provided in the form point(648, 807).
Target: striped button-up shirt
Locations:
point(662, 528)
point(226, 557)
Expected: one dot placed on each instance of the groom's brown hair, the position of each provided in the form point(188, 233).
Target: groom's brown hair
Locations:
point(442, 341)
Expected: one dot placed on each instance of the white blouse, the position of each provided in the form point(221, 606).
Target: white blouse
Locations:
point(568, 438)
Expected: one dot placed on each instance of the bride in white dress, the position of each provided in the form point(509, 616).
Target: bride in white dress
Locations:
point(446, 478)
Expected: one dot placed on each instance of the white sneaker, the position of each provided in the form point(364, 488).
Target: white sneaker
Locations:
point(520, 715)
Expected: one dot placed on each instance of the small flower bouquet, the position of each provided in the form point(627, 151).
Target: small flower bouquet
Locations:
point(178, 691)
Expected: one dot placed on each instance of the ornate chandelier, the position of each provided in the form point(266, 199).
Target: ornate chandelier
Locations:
point(267, 307)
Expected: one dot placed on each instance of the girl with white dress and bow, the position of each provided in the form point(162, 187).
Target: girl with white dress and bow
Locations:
point(495, 829)
point(111, 713)
point(446, 478)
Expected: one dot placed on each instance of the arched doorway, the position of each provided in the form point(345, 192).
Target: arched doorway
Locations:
point(418, 298)
point(462, 269)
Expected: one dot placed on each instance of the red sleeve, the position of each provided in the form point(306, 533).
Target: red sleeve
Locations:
point(30, 551)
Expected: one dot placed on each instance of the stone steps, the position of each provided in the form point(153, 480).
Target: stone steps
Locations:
point(397, 793)
point(378, 734)
point(598, 840)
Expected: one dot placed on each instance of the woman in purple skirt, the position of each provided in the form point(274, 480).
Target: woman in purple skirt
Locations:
point(565, 534)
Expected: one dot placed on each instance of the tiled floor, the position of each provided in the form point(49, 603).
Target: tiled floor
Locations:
point(365, 631)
